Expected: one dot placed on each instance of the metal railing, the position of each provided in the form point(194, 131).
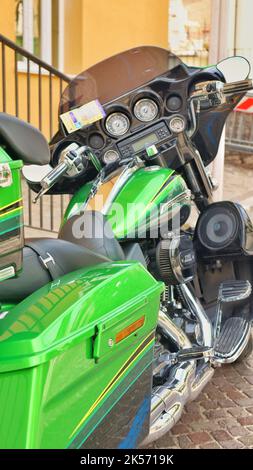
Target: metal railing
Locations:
point(31, 89)
point(239, 132)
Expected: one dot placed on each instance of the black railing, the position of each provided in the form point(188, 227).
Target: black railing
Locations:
point(31, 89)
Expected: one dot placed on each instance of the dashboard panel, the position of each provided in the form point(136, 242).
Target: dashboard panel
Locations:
point(141, 118)
point(145, 112)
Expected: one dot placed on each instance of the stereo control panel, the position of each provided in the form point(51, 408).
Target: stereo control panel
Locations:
point(137, 144)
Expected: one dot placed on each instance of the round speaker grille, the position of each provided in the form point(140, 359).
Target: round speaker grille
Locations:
point(218, 227)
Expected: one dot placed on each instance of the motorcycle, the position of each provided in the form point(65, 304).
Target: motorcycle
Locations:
point(109, 330)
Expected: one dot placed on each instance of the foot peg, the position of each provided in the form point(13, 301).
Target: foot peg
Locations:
point(196, 352)
point(166, 360)
point(232, 340)
point(230, 291)
point(233, 291)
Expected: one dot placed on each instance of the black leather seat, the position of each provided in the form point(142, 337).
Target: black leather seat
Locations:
point(60, 257)
point(91, 230)
point(23, 141)
point(46, 259)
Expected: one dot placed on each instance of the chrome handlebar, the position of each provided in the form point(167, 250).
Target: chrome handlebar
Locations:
point(71, 163)
point(213, 93)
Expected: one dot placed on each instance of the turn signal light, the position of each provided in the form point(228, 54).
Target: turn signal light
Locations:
point(130, 329)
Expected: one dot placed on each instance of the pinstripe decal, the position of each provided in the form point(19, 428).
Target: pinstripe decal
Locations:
point(141, 348)
point(164, 186)
point(5, 214)
point(10, 206)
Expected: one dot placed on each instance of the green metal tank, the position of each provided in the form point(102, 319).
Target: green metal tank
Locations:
point(137, 202)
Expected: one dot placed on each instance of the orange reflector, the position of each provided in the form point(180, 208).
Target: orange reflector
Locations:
point(130, 329)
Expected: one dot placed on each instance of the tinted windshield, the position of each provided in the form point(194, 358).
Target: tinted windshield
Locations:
point(117, 75)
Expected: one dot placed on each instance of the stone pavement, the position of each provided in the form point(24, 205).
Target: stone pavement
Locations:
point(222, 416)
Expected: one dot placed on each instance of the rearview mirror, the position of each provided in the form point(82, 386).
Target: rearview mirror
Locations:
point(35, 173)
point(234, 69)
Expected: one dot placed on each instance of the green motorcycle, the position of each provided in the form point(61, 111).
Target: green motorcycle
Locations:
point(109, 330)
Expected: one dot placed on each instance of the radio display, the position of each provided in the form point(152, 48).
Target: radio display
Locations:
point(145, 142)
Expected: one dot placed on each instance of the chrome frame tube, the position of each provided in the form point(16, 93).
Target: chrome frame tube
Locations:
point(196, 309)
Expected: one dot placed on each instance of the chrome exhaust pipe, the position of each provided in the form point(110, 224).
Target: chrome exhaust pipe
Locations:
point(168, 400)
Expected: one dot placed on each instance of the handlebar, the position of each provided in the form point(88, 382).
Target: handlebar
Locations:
point(211, 88)
point(213, 94)
point(238, 87)
point(73, 163)
point(54, 175)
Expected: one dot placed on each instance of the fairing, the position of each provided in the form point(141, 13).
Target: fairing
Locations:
point(119, 74)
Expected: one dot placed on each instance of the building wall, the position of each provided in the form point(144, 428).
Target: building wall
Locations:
point(98, 29)
point(73, 45)
point(7, 18)
point(93, 31)
point(109, 27)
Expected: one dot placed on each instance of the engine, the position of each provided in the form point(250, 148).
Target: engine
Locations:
point(176, 260)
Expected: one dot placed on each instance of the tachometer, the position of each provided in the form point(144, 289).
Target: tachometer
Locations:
point(117, 124)
point(145, 110)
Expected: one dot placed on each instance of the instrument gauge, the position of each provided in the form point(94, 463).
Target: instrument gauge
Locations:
point(146, 110)
point(110, 156)
point(117, 124)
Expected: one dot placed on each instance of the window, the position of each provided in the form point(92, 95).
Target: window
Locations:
point(39, 29)
point(189, 30)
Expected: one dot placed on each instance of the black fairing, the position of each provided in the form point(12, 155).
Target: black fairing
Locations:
point(211, 124)
point(180, 80)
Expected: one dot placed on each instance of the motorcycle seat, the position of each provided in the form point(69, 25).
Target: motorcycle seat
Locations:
point(92, 230)
point(23, 141)
point(44, 260)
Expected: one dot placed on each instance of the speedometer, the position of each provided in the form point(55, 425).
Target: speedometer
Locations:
point(145, 110)
point(117, 124)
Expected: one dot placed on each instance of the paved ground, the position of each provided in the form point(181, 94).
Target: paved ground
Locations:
point(222, 416)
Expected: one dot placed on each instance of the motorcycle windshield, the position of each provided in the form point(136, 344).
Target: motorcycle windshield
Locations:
point(118, 75)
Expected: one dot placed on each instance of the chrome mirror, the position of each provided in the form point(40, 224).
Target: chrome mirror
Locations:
point(35, 173)
point(234, 69)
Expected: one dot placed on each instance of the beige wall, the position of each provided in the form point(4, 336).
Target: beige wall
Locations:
point(96, 29)
point(73, 48)
point(111, 26)
point(7, 28)
point(7, 18)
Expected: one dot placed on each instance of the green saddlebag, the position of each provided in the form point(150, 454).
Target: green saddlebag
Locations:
point(76, 361)
point(11, 216)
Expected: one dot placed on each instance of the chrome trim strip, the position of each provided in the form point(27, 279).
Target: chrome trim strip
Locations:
point(122, 180)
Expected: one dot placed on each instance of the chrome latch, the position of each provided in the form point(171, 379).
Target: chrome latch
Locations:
point(5, 175)
point(45, 261)
point(7, 273)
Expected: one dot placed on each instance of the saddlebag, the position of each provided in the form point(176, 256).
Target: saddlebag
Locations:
point(11, 216)
point(76, 361)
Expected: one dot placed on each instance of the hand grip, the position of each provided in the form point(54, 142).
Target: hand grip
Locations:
point(238, 87)
point(54, 175)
